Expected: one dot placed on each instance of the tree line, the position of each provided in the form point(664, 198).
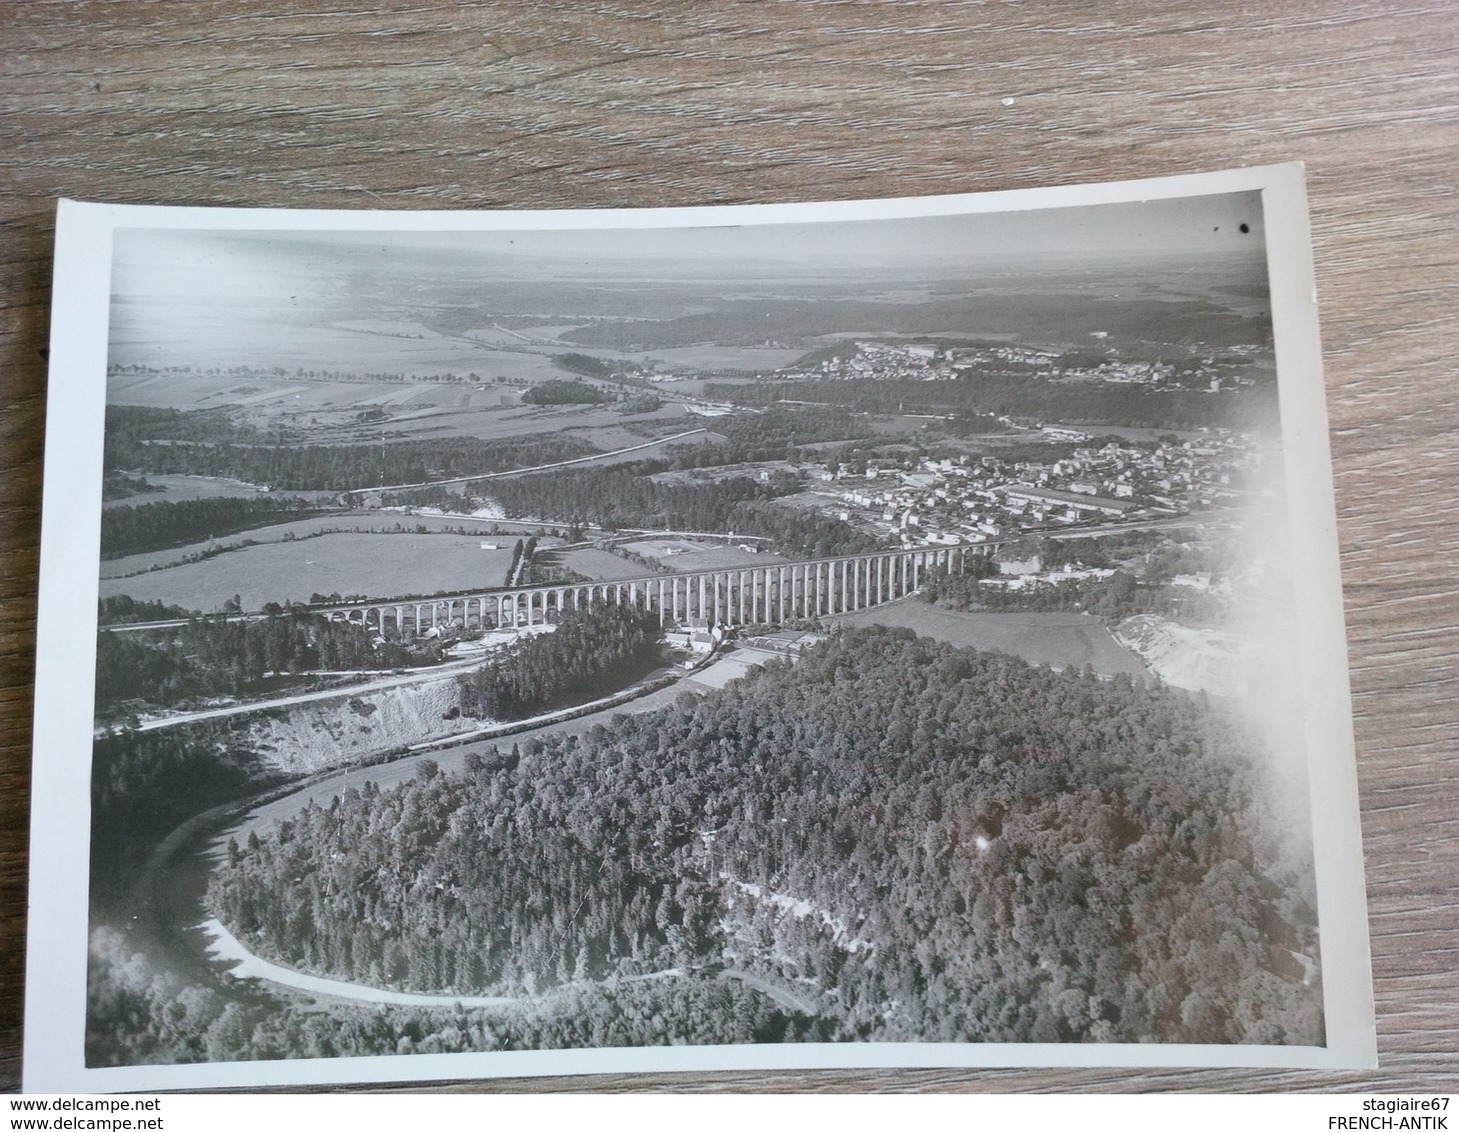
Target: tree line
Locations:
point(131, 529)
point(1111, 598)
point(1142, 565)
point(624, 497)
point(145, 784)
point(1062, 317)
point(213, 656)
point(558, 392)
point(1019, 396)
point(122, 609)
point(589, 653)
point(141, 1011)
point(208, 443)
point(779, 431)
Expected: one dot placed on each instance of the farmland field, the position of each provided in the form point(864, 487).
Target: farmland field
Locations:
point(721, 558)
point(665, 548)
point(204, 336)
point(600, 565)
point(602, 426)
point(385, 522)
point(1061, 640)
point(281, 395)
point(714, 357)
point(376, 564)
point(692, 555)
point(178, 489)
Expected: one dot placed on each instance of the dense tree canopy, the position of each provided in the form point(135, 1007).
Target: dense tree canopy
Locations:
point(589, 653)
point(621, 497)
point(214, 656)
point(143, 1012)
point(130, 529)
point(925, 843)
point(558, 392)
point(208, 443)
point(1015, 395)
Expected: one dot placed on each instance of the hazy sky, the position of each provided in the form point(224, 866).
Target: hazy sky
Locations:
point(291, 267)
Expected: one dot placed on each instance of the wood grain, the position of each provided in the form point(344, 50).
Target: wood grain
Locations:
point(513, 105)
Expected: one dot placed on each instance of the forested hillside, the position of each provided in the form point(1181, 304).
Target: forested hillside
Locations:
point(621, 497)
point(129, 529)
point(925, 843)
point(211, 656)
point(1087, 403)
point(589, 653)
point(1065, 316)
point(157, 441)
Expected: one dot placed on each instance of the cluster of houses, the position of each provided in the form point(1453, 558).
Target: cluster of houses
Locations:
point(965, 499)
point(890, 361)
point(916, 361)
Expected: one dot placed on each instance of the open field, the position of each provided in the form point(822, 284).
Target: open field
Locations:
point(686, 555)
point(375, 564)
point(203, 336)
point(328, 412)
point(387, 522)
point(282, 395)
point(721, 558)
point(179, 489)
point(600, 565)
point(1061, 640)
point(603, 426)
point(759, 359)
point(549, 339)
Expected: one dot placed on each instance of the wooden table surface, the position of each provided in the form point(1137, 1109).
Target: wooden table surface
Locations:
point(428, 104)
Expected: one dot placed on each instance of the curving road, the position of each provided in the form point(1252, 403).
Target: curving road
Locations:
point(225, 947)
point(436, 672)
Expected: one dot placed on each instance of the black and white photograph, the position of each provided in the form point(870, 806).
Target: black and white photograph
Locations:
point(904, 633)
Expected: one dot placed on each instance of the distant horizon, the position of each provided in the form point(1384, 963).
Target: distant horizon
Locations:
point(268, 298)
point(1224, 229)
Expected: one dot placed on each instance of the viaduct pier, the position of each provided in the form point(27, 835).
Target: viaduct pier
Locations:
point(748, 595)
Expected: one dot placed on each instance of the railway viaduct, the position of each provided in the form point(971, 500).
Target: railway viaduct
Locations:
point(749, 595)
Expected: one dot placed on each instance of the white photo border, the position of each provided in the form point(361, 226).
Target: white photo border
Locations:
point(65, 658)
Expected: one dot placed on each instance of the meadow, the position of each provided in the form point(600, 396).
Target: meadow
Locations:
point(722, 558)
point(600, 565)
point(389, 522)
point(711, 356)
point(329, 410)
point(277, 395)
point(204, 336)
point(374, 563)
point(688, 555)
point(179, 489)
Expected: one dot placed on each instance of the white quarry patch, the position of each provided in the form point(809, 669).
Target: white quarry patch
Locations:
point(494, 639)
point(1209, 660)
point(316, 736)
